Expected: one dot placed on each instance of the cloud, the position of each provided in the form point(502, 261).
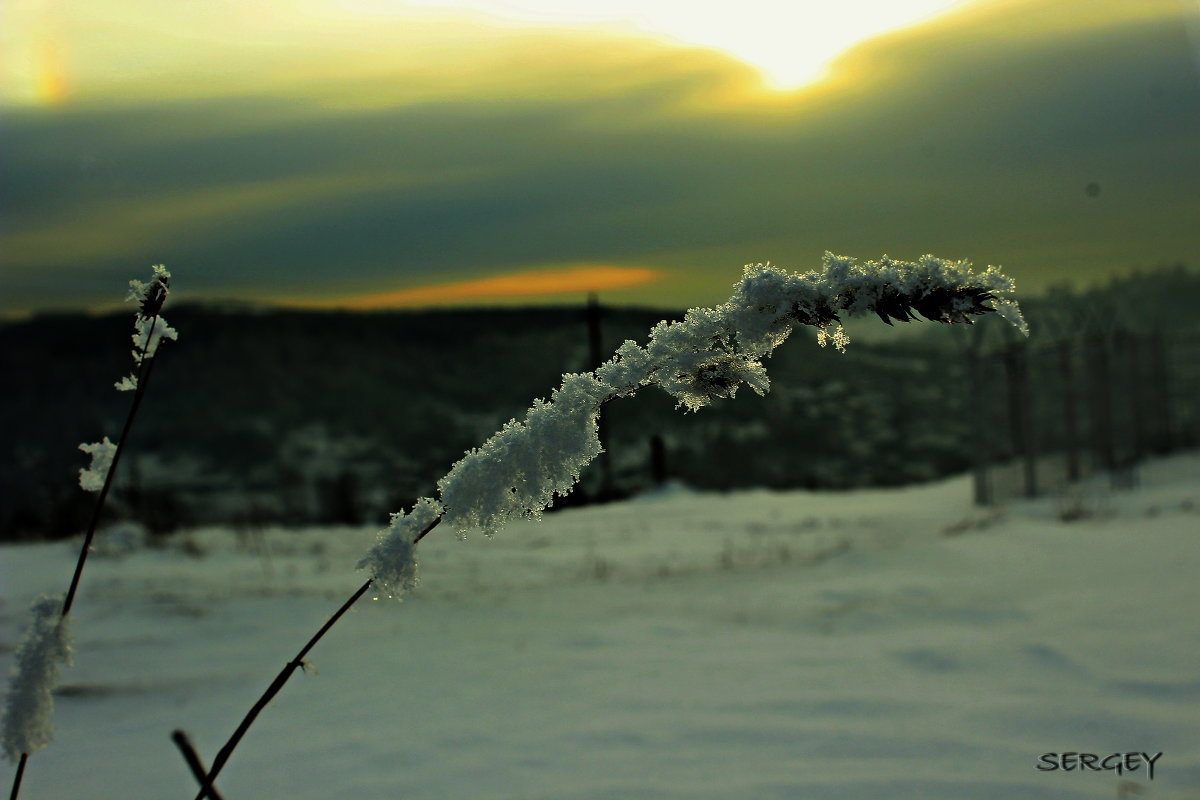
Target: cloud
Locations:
point(557, 282)
point(975, 136)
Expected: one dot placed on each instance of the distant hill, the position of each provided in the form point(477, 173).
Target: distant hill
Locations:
point(264, 415)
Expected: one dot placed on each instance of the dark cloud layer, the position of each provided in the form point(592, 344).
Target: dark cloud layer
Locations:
point(976, 137)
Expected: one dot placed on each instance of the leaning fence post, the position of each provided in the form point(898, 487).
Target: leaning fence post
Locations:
point(1069, 424)
point(1101, 403)
point(1133, 346)
point(1016, 369)
point(979, 442)
point(1160, 387)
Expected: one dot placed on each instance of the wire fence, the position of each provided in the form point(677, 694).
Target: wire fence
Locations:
point(1048, 414)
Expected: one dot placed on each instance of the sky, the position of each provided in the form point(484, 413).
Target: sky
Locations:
point(370, 154)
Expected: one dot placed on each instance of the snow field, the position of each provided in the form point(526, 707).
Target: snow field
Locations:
point(880, 643)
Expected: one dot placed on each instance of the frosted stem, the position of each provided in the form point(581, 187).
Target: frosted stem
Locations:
point(143, 380)
point(707, 356)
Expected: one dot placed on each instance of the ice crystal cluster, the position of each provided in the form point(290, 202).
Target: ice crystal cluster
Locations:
point(91, 478)
point(149, 326)
point(29, 707)
point(707, 356)
point(392, 560)
point(149, 329)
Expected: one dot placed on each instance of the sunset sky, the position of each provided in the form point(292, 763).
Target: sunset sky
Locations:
point(377, 154)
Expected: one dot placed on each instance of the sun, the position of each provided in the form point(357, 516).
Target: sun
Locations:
point(790, 43)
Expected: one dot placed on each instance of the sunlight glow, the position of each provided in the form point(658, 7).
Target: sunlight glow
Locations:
point(579, 279)
point(792, 44)
point(50, 87)
point(33, 53)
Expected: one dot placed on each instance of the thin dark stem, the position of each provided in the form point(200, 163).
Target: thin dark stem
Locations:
point(428, 528)
point(296, 663)
point(193, 761)
point(16, 787)
point(145, 368)
point(143, 379)
point(272, 690)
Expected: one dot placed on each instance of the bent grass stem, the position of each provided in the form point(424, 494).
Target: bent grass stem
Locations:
point(297, 662)
point(143, 379)
point(145, 368)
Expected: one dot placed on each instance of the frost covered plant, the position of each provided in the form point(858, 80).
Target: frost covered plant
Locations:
point(149, 326)
point(709, 355)
point(27, 723)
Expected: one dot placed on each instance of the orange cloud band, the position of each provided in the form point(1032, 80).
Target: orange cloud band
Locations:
point(528, 283)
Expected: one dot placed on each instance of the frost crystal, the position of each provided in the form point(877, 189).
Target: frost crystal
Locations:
point(147, 334)
point(149, 326)
point(393, 561)
point(835, 334)
point(150, 294)
point(91, 479)
point(28, 709)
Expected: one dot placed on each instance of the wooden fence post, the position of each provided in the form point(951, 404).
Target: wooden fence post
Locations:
point(1016, 369)
point(1160, 384)
point(596, 357)
point(1100, 403)
point(1069, 423)
point(980, 451)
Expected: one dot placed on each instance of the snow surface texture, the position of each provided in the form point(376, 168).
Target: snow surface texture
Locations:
point(29, 708)
point(819, 645)
point(518, 471)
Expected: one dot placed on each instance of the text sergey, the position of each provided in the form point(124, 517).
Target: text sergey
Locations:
point(1119, 763)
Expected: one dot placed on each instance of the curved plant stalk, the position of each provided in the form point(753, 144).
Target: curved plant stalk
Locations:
point(707, 356)
point(145, 369)
point(150, 297)
point(297, 662)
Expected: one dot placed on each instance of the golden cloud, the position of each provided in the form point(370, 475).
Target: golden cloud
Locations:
point(576, 279)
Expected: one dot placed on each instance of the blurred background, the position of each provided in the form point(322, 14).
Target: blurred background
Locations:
point(392, 225)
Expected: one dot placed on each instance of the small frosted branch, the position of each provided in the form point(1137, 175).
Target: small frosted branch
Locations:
point(91, 478)
point(29, 707)
point(149, 328)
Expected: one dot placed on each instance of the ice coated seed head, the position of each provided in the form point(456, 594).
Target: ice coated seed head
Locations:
point(150, 295)
point(707, 356)
point(149, 326)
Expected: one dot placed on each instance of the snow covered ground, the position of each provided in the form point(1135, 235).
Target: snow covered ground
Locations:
point(872, 644)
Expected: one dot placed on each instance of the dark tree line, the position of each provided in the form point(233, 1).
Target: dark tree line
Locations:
point(266, 416)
